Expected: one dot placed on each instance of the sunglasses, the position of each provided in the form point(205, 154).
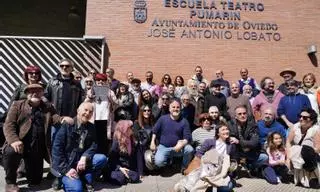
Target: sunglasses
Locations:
point(166, 78)
point(206, 119)
point(146, 110)
point(304, 117)
point(64, 66)
point(241, 113)
point(164, 98)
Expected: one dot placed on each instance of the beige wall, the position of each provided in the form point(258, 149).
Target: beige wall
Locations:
point(132, 50)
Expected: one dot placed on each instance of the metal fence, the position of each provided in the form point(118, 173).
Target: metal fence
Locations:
point(16, 53)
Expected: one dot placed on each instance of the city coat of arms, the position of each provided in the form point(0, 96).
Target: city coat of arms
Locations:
point(140, 11)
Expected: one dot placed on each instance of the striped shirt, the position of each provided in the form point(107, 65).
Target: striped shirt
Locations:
point(200, 135)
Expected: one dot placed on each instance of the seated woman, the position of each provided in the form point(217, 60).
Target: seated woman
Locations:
point(220, 142)
point(123, 161)
point(303, 146)
point(204, 132)
point(142, 129)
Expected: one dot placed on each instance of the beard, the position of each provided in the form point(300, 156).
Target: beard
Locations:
point(35, 101)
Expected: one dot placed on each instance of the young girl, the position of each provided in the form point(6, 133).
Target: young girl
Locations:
point(277, 157)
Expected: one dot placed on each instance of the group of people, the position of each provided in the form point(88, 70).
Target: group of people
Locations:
point(100, 128)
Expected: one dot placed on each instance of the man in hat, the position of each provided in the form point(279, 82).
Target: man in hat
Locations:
point(287, 75)
point(216, 98)
point(27, 132)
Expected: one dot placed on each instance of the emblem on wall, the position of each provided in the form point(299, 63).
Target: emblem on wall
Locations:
point(140, 11)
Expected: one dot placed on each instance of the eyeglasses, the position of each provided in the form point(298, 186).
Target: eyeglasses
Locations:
point(185, 99)
point(165, 98)
point(89, 82)
point(304, 117)
point(64, 66)
point(286, 76)
point(146, 110)
point(166, 77)
point(242, 113)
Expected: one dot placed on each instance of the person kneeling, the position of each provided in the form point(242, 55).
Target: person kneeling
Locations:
point(74, 152)
point(123, 160)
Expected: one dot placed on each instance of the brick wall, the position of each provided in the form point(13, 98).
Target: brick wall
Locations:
point(132, 50)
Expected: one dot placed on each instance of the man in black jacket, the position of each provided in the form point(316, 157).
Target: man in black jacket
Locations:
point(216, 99)
point(244, 133)
point(74, 157)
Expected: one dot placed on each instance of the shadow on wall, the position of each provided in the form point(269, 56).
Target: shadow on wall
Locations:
point(313, 59)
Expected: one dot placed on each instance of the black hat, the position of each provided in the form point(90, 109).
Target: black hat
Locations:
point(135, 80)
point(215, 83)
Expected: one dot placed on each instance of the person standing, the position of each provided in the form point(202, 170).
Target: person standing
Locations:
point(27, 133)
point(63, 91)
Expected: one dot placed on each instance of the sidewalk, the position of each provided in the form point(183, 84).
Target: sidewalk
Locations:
point(158, 183)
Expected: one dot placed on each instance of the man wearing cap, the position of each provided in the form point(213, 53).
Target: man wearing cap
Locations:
point(27, 132)
point(63, 91)
point(290, 106)
point(287, 74)
point(216, 98)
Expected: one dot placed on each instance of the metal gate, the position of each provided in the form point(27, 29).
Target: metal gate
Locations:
point(16, 53)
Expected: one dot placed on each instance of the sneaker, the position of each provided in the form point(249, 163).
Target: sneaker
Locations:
point(89, 188)
point(57, 184)
point(278, 180)
point(12, 188)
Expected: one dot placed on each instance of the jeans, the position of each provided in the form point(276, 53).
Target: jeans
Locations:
point(255, 160)
point(164, 154)
point(75, 185)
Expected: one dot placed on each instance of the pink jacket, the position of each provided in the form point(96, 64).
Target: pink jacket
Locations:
point(260, 102)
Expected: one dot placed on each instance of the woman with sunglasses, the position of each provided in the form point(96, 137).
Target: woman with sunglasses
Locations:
point(125, 103)
point(32, 75)
point(165, 82)
point(303, 148)
point(204, 132)
point(142, 129)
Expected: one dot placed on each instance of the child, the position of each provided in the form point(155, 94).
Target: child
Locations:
point(277, 157)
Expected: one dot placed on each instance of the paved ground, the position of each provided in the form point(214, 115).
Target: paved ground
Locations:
point(165, 183)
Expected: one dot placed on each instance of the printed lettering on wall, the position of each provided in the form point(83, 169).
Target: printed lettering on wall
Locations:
point(216, 20)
